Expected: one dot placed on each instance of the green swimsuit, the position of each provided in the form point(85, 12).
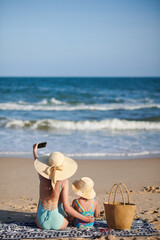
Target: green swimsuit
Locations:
point(50, 219)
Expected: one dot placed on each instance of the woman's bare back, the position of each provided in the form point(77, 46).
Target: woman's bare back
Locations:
point(48, 196)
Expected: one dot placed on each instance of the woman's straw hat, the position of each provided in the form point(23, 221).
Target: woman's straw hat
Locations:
point(84, 188)
point(55, 166)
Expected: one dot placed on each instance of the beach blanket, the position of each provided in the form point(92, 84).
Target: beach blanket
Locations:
point(21, 230)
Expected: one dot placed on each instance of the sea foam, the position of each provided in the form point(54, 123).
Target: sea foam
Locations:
point(55, 105)
point(108, 124)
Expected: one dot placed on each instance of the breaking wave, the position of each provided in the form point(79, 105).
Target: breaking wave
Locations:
point(110, 124)
point(56, 105)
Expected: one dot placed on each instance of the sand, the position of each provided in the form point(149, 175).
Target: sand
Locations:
point(19, 186)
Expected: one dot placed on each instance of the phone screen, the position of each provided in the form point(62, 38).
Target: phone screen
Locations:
point(42, 145)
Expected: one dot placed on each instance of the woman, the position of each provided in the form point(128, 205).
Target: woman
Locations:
point(54, 171)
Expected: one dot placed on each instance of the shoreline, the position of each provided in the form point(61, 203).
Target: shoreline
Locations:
point(87, 157)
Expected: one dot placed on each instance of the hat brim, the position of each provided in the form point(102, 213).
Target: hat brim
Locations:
point(88, 195)
point(69, 167)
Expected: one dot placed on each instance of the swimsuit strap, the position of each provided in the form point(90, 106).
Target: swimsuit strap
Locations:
point(46, 206)
point(92, 204)
point(79, 205)
point(82, 204)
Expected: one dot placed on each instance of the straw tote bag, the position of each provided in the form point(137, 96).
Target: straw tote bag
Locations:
point(119, 215)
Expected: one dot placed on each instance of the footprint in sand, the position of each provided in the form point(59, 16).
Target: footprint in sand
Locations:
point(153, 220)
point(155, 211)
point(152, 189)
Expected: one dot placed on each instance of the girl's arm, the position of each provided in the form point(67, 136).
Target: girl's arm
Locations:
point(67, 206)
point(96, 211)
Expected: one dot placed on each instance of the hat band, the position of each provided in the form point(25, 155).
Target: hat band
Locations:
point(84, 190)
point(87, 192)
point(51, 171)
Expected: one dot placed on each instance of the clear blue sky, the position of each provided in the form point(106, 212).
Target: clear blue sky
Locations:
point(79, 38)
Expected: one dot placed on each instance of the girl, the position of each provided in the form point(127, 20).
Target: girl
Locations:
point(87, 204)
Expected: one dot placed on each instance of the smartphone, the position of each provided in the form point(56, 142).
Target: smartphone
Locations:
point(42, 145)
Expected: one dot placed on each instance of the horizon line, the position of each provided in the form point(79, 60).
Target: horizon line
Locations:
point(78, 76)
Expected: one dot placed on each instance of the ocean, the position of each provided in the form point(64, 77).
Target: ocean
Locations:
point(85, 118)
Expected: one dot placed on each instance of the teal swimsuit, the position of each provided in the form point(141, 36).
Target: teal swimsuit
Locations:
point(79, 223)
point(50, 219)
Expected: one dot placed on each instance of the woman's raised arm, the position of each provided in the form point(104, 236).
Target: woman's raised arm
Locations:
point(35, 150)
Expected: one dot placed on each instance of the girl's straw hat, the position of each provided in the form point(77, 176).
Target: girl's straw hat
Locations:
point(84, 188)
point(55, 166)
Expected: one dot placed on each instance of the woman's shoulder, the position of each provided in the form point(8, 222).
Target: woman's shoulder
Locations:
point(65, 183)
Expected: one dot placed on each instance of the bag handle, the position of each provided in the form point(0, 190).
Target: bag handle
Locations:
point(119, 186)
point(116, 184)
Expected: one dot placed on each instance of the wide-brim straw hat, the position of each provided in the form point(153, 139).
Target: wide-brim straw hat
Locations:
point(84, 188)
point(55, 166)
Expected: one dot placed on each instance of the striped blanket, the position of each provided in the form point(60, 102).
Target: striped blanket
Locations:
point(23, 230)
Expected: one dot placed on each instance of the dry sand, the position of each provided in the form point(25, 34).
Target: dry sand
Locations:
point(19, 186)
